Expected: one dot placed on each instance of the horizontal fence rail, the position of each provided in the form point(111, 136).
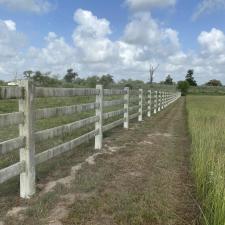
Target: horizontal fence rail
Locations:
point(113, 92)
point(11, 92)
point(11, 119)
point(12, 144)
point(64, 92)
point(130, 104)
point(113, 103)
point(64, 129)
point(58, 150)
point(113, 113)
point(63, 111)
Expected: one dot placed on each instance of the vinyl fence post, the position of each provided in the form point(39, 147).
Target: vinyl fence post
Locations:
point(159, 101)
point(155, 101)
point(27, 154)
point(164, 103)
point(99, 113)
point(163, 99)
point(126, 108)
point(149, 103)
point(140, 105)
point(167, 98)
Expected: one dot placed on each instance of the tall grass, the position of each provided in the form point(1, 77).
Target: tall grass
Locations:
point(206, 118)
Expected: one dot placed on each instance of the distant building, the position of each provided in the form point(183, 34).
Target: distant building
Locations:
point(13, 83)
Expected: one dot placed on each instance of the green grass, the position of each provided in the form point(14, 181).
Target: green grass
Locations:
point(207, 90)
point(206, 118)
point(56, 167)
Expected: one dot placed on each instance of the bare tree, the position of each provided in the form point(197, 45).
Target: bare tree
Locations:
point(152, 71)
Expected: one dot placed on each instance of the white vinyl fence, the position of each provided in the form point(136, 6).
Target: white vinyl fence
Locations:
point(147, 102)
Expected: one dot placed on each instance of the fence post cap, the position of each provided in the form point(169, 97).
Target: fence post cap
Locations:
point(99, 86)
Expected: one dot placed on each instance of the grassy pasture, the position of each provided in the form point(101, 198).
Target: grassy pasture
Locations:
point(206, 119)
point(207, 90)
point(56, 167)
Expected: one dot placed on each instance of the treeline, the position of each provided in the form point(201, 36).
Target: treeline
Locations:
point(72, 79)
point(190, 81)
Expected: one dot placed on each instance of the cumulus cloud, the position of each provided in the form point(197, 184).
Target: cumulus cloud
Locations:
point(212, 56)
point(208, 6)
point(36, 6)
point(143, 30)
point(10, 24)
point(212, 42)
point(55, 56)
point(137, 5)
point(92, 51)
point(11, 46)
point(91, 37)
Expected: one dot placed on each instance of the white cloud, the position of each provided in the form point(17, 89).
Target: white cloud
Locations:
point(137, 5)
point(91, 37)
point(56, 56)
point(155, 40)
point(36, 6)
point(208, 6)
point(93, 52)
point(212, 42)
point(11, 47)
point(10, 24)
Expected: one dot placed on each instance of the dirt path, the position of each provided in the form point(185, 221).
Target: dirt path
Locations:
point(142, 178)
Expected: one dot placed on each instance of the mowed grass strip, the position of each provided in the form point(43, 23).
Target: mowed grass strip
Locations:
point(206, 119)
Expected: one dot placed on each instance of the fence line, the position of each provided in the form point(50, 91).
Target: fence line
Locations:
point(134, 104)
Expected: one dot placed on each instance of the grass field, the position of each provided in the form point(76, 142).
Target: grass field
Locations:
point(207, 90)
point(141, 178)
point(206, 119)
point(55, 168)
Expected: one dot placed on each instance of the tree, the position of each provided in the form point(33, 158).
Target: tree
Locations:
point(28, 74)
point(106, 80)
point(46, 79)
point(183, 86)
point(190, 78)
point(168, 80)
point(80, 81)
point(2, 83)
point(92, 81)
point(152, 71)
point(214, 82)
point(70, 76)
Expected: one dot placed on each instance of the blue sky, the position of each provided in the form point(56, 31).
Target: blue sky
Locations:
point(121, 37)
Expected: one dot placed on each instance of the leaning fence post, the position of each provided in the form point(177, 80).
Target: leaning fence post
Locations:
point(140, 105)
point(99, 113)
point(27, 154)
point(126, 108)
point(149, 103)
